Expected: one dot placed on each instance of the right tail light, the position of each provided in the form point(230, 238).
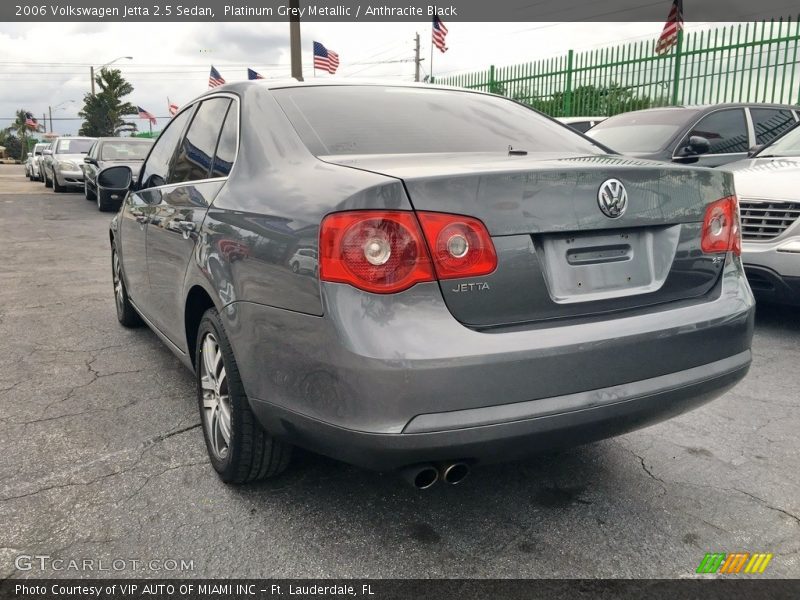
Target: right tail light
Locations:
point(721, 229)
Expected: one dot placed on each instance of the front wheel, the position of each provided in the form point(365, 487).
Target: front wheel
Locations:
point(47, 182)
point(57, 187)
point(88, 194)
point(240, 449)
point(126, 314)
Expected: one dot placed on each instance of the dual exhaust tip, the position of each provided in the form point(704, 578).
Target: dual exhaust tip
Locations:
point(425, 476)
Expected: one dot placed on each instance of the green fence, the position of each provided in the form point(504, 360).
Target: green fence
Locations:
point(745, 62)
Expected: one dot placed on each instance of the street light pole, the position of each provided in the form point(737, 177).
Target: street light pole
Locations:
point(91, 69)
point(91, 78)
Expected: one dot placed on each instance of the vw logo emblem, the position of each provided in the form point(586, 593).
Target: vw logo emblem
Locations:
point(612, 198)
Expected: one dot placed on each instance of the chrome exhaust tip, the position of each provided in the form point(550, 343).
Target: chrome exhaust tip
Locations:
point(455, 473)
point(421, 477)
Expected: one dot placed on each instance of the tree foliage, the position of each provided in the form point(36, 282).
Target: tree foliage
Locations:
point(103, 113)
point(588, 100)
point(14, 138)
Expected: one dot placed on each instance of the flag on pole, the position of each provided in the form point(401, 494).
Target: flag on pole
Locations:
point(439, 33)
point(325, 59)
point(172, 108)
point(669, 36)
point(214, 78)
point(143, 114)
point(251, 75)
point(30, 121)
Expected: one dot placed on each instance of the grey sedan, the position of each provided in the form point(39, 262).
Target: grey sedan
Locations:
point(489, 283)
point(106, 152)
point(62, 164)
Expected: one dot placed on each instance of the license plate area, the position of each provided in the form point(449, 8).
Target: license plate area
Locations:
point(590, 266)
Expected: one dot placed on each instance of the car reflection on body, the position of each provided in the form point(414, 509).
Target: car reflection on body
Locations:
point(472, 303)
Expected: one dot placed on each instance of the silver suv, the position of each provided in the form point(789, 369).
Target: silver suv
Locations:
point(62, 166)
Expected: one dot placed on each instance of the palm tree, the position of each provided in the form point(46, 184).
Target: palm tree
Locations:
point(20, 129)
point(103, 112)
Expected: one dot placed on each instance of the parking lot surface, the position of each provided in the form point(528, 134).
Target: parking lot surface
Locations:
point(104, 457)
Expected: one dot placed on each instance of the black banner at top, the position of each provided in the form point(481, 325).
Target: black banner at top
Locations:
point(389, 10)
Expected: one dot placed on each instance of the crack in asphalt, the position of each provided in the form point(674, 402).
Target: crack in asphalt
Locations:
point(768, 505)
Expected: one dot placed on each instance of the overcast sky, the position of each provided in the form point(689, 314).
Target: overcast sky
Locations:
point(173, 59)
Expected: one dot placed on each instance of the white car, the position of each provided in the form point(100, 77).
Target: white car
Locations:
point(33, 163)
point(305, 259)
point(769, 205)
point(63, 170)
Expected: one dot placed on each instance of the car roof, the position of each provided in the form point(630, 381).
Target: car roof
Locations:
point(127, 139)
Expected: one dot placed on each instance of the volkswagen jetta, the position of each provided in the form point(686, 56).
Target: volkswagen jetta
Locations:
point(489, 283)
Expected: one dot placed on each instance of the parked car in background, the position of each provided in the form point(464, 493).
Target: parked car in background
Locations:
point(29, 165)
point(706, 136)
point(63, 163)
point(768, 185)
point(35, 162)
point(305, 259)
point(460, 315)
point(106, 152)
point(582, 124)
point(46, 154)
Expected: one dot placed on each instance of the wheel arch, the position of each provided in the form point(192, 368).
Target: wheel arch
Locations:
point(198, 301)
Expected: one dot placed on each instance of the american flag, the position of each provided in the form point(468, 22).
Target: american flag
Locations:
point(214, 78)
point(143, 114)
point(325, 59)
point(172, 108)
point(439, 33)
point(669, 36)
point(30, 121)
point(251, 75)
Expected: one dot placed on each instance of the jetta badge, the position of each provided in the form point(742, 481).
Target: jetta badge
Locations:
point(612, 198)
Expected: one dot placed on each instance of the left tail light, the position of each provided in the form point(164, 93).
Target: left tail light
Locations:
point(721, 229)
point(386, 252)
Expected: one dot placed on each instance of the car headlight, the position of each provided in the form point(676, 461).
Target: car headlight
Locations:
point(68, 165)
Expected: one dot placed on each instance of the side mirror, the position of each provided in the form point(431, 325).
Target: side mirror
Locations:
point(755, 150)
point(47, 152)
point(695, 146)
point(90, 161)
point(115, 178)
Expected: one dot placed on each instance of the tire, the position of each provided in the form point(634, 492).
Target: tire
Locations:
point(47, 182)
point(104, 204)
point(57, 187)
point(249, 453)
point(88, 193)
point(126, 314)
point(295, 267)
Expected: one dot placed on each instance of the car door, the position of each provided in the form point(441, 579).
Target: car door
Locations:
point(198, 172)
point(90, 168)
point(727, 132)
point(138, 207)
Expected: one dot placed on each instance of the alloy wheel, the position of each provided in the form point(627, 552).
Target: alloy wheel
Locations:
point(119, 290)
point(216, 399)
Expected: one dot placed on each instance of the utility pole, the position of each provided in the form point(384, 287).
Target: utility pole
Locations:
point(50, 109)
point(44, 122)
point(91, 76)
point(417, 59)
point(294, 39)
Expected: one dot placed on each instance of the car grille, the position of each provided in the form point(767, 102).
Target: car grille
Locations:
point(767, 220)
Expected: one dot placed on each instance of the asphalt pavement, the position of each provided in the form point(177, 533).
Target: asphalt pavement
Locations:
point(105, 460)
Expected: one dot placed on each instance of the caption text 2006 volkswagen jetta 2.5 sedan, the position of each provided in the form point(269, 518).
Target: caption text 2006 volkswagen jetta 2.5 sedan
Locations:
point(408, 277)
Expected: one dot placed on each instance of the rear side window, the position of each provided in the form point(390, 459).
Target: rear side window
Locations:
point(195, 152)
point(154, 172)
point(400, 120)
point(726, 130)
point(226, 148)
point(769, 123)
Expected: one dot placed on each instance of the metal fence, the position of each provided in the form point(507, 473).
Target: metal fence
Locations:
point(745, 62)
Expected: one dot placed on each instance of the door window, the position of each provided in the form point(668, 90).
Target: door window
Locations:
point(196, 150)
point(769, 123)
point(726, 130)
point(154, 172)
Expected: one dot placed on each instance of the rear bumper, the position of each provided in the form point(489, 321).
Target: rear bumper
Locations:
point(509, 432)
point(387, 381)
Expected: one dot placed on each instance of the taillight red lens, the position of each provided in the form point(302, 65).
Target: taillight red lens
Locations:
point(460, 246)
point(721, 232)
point(377, 251)
point(386, 251)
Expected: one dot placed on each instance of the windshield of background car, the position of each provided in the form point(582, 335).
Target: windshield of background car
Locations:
point(788, 145)
point(74, 146)
point(124, 150)
point(645, 131)
point(395, 120)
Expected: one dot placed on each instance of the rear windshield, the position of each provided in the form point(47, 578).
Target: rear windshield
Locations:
point(125, 150)
point(396, 120)
point(74, 146)
point(645, 131)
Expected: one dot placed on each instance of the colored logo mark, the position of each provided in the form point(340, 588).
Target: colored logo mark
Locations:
point(735, 562)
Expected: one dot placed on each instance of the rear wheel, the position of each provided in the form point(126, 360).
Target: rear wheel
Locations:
point(89, 194)
point(126, 314)
point(240, 450)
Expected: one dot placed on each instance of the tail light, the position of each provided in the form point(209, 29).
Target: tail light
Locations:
point(721, 230)
point(386, 251)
